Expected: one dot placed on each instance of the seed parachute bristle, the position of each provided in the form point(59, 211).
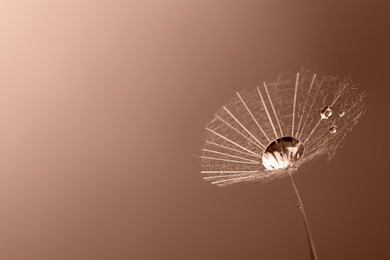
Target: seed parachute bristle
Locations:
point(263, 133)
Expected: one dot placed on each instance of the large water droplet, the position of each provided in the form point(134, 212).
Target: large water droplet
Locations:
point(326, 112)
point(341, 113)
point(282, 153)
point(333, 129)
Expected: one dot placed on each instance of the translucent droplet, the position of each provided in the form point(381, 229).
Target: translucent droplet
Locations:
point(326, 112)
point(282, 153)
point(333, 129)
point(299, 206)
point(341, 113)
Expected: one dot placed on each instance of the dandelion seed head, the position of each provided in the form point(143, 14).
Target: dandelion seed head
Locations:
point(262, 133)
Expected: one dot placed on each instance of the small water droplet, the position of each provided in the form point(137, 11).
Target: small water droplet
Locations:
point(299, 206)
point(333, 129)
point(341, 113)
point(326, 112)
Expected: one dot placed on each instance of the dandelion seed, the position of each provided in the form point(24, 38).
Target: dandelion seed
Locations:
point(283, 124)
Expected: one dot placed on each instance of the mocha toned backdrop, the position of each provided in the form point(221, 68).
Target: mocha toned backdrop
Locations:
point(103, 104)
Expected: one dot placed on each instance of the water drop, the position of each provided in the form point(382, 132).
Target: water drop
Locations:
point(326, 112)
point(333, 129)
point(299, 207)
point(341, 113)
point(282, 153)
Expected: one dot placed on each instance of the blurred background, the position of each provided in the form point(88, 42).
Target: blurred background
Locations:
point(103, 105)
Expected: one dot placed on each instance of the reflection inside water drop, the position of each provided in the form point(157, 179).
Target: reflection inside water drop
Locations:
point(333, 129)
point(282, 153)
point(326, 112)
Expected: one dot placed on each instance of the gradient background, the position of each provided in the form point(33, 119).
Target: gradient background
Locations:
point(103, 103)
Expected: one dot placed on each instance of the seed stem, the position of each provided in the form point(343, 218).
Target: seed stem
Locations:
point(313, 253)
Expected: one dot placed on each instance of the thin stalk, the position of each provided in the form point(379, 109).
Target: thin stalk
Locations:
point(313, 253)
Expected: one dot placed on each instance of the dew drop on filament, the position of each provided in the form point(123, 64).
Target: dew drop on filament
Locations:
point(333, 129)
point(326, 112)
point(282, 153)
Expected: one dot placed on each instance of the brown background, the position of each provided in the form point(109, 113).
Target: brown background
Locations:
point(103, 103)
